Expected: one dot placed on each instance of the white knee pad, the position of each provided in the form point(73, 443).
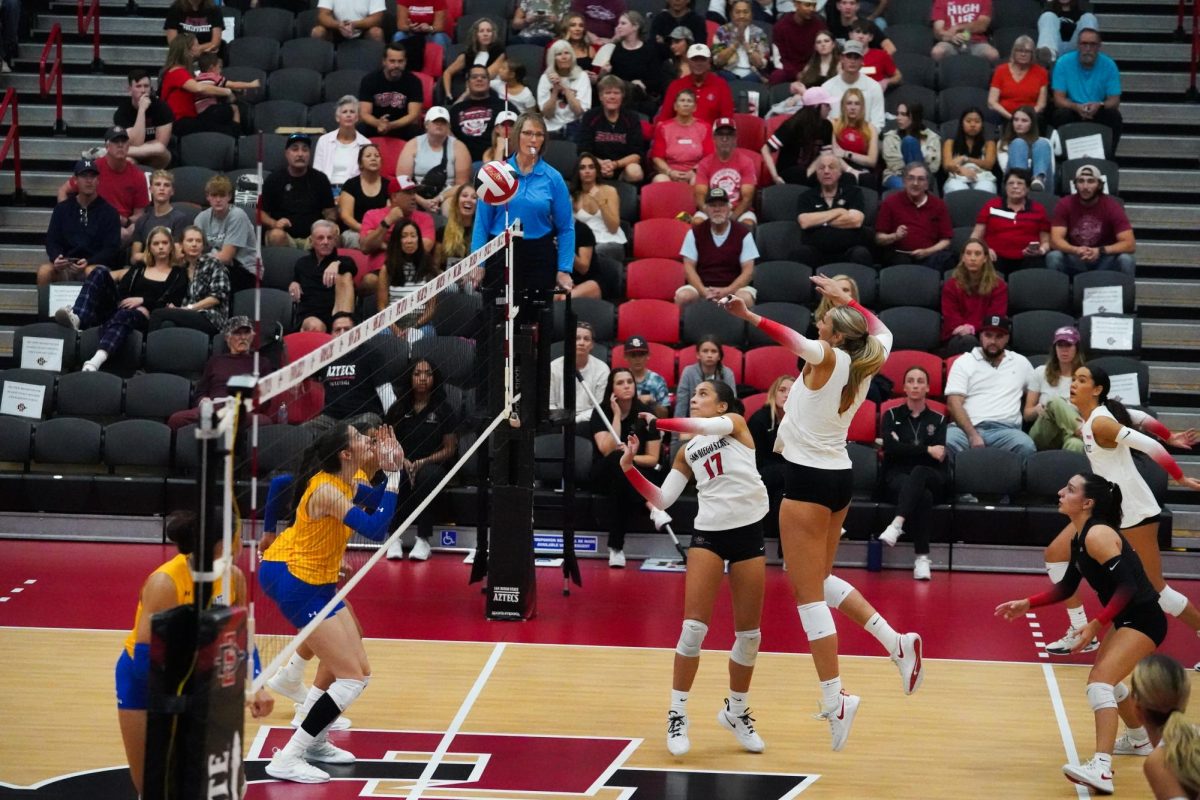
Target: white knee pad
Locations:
point(836, 590)
point(344, 691)
point(690, 638)
point(1172, 602)
point(745, 647)
point(1101, 695)
point(1120, 692)
point(817, 620)
point(1057, 570)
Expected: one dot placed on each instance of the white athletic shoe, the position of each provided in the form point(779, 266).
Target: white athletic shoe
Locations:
point(1071, 638)
point(421, 550)
point(907, 659)
point(616, 558)
point(841, 718)
point(890, 535)
point(67, 317)
point(327, 752)
point(339, 724)
point(295, 690)
point(742, 727)
point(286, 767)
point(1126, 746)
point(395, 551)
point(921, 568)
point(1090, 774)
point(677, 734)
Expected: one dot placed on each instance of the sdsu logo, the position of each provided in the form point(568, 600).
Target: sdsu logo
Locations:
point(228, 658)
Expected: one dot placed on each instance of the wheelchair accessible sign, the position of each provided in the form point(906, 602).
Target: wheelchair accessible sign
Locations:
point(553, 543)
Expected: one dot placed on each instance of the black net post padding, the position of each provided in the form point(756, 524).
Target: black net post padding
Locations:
point(570, 564)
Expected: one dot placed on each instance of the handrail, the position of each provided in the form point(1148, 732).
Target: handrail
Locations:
point(12, 140)
point(55, 39)
point(91, 19)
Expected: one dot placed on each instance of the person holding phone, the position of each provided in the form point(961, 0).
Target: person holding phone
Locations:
point(1015, 227)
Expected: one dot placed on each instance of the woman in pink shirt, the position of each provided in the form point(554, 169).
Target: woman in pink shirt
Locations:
point(680, 142)
point(974, 291)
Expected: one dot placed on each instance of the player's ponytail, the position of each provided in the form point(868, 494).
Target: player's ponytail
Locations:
point(866, 352)
point(181, 528)
point(323, 455)
point(1107, 497)
point(1115, 407)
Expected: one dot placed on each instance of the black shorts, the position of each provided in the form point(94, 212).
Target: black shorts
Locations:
point(733, 545)
point(1147, 618)
point(1155, 520)
point(831, 488)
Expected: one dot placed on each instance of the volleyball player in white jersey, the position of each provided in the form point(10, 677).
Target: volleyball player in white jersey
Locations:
point(852, 345)
point(1110, 434)
point(732, 504)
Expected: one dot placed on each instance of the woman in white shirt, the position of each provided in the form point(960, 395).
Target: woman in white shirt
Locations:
point(597, 206)
point(1048, 403)
point(564, 92)
point(337, 151)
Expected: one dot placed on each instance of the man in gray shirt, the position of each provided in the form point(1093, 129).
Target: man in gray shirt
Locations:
point(229, 233)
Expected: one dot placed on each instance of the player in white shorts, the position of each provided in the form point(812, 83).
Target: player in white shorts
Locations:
point(732, 504)
point(853, 345)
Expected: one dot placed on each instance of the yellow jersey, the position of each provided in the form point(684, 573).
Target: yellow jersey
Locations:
point(313, 548)
point(180, 572)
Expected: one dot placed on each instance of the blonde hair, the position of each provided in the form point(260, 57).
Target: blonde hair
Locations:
point(454, 235)
point(158, 230)
point(1181, 741)
point(776, 385)
point(561, 46)
point(162, 175)
point(826, 304)
point(863, 126)
point(1160, 687)
point(986, 282)
point(866, 352)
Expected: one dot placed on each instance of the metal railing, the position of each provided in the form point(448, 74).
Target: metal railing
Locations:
point(12, 140)
point(91, 19)
point(53, 77)
point(1191, 93)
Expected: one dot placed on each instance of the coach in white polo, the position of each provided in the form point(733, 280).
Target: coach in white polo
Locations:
point(985, 393)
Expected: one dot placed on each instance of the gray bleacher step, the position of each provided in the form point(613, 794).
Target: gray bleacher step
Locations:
point(54, 148)
point(123, 55)
point(110, 25)
point(6, 341)
point(40, 116)
point(27, 85)
point(1135, 145)
point(1157, 53)
point(1178, 418)
point(1185, 525)
point(18, 300)
point(35, 182)
point(21, 258)
point(1174, 377)
point(1170, 334)
point(1137, 23)
point(1161, 113)
point(1166, 254)
point(110, 6)
point(1152, 292)
point(1161, 216)
point(1156, 82)
point(1162, 180)
point(1190, 465)
point(24, 220)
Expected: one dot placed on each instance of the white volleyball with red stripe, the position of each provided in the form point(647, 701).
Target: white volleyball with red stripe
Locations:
point(496, 183)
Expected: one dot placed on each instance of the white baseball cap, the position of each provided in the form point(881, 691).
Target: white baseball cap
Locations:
point(436, 113)
point(699, 51)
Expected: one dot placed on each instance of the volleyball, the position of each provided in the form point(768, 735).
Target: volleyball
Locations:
point(496, 183)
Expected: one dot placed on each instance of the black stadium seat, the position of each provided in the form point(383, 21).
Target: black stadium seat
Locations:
point(795, 316)
point(783, 281)
point(254, 51)
point(298, 84)
point(1038, 289)
point(179, 351)
point(36, 377)
point(341, 83)
point(1033, 331)
point(125, 362)
point(89, 395)
point(866, 278)
point(215, 151)
point(156, 395)
point(307, 52)
point(910, 285)
point(702, 318)
point(360, 54)
point(964, 70)
point(1084, 282)
point(269, 23)
point(913, 328)
point(271, 115)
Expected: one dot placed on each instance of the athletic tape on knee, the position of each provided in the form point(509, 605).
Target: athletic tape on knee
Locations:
point(1172, 602)
point(690, 638)
point(1101, 695)
point(745, 647)
point(1057, 570)
point(1120, 692)
point(344, 691)
point(817, 620)
point(836, 590)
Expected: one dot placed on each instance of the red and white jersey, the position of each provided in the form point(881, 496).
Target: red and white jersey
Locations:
point(812, 431)
point(728, 486)
point(1116, 465)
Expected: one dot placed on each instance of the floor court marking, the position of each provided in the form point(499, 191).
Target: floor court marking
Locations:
point(1064, 726)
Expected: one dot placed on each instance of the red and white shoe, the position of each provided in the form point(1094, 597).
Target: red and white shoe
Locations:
point(1092, 774)
point(840, 718)
point(907, 659)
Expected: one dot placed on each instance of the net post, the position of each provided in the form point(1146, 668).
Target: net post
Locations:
point(570, 565)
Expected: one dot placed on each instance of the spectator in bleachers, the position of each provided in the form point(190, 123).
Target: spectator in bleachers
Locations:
point(205, 305)
point(586, 273)
point(709, 366)
point(742, 50)
point(574, 31)
point(179, 88)
point(831, 218)
point(121, 301)
point(564, 92)
point(148, 121)
point(362, 193)
point(910, 142)
point(390, 99)
point(1059, 27)
point(509, 84)
point(675, 14)
point(764, 428)
point(238, 360)
point(211, 73)
point(1090, 230)
point(500, 135)
point(970, 156)
point(200, 19)
point(454, 240)
point(1014, 227)
point(378, 224)
point(972, 294)
point(914, 225)
point(1023, 147)
point(635, 61)
point(483, 46)
point(599, 18)
point(354, 382)
point(592, 370)
point(730, 168)
point(613, 133)
point(823, 65)
point(1056, 422)
point(122, 184)
point(914, 466)
point(651, 387)
point(680, 141)
point(794, 37)
point(597, 205)
point(10, 25)
point(962, 27)
point(473, 118)
point(418, 20)
point(718, 256)
point(799, 141)
point(296, 197)
point(337, 151)
point(846, 284)
point(713, 97)
point(160, 214)
point(676, 65)
point(1087, 87)
point(877, 62)
point(435, 160)
point(1019, 83)
point(229, 233)
point(856, 140)
point(84, 231)
point(985, 393)
point(408, 265)
point(536, 21)
point(850, 76)
point(341, 20)
point(322, 281)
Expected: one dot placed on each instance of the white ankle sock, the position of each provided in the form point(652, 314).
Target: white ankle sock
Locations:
point(1078, 617)
point(314, 694)
point(830, 691)
point(737, 703)
point(679, 701)
point(98, 359)
point(1138, 735)
point(299, 743)
point(878, 627)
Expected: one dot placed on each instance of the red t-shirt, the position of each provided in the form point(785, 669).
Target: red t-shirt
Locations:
point(730, 175)
point(681, 146)
point(714, 99)
point(958, 12)
point(423, 11)
point(125, 190)
point(1014, 93)
point(960, 308)
point(1091, 226)
point(878, 64)
point(371, 221)
point(1009, 236)
point(927, 224)
point(181, 101)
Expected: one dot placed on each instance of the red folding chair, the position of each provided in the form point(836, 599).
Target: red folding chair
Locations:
point(653, 278)
point(753, 403)
point(751, 131)
point(900, 361)
point(658, 238)
point(306, 400)
point(765, 364)
point(661, 360)
point(389, 154)
point(667, 200)
point(656, 320)
point(888, 405)
point(864, 428)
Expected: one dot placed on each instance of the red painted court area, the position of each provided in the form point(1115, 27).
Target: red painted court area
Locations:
point(86, 585)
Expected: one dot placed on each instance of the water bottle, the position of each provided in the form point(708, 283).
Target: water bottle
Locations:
point(874, 555)
point(281, 415)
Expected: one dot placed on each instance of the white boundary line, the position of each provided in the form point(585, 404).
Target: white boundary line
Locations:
point(1064, 726)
